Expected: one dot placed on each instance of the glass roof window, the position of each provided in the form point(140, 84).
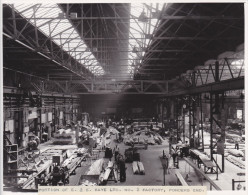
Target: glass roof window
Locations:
point(238, 63)
point(49, 19)
point(143, 21)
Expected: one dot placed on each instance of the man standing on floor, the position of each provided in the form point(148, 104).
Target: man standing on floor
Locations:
point(237, 144)
point(122, 169)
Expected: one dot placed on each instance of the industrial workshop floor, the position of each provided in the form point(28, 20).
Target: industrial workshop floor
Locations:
point(153, 168)
point(150, 159)
point(154, 171)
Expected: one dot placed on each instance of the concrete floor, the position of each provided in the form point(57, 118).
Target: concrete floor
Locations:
point(153, 168)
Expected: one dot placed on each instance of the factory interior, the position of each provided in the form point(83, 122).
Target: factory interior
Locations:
point(123, 94)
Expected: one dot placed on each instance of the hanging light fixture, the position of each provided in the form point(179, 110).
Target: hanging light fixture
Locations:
point(143, 17)
point(156, 14)
point(135, 49)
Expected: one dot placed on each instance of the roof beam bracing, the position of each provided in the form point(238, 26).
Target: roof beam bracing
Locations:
point(146, 26)
point(210, 39)
point(206, 38)
point(164, 31)
point(136, 18)
point(58, 28)
point(145, 39)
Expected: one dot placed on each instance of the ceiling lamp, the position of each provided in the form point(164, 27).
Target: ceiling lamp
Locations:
point(45, 49)
point(143, 17)
point(156, 14)
point(135, 50)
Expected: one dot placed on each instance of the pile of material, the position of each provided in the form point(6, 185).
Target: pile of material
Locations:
point(138, 168)
point(104, 176)
point(113, 131)
point(81, 151)
point(96, 167)
point(142, 137)
point(236, 152)
point(88, 183)
point(232, 138)
point(63, 136)
point(68, 161)
point(108, 170)
point(236, 161)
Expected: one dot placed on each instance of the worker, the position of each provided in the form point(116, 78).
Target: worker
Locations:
point(32, 145)
point(175, 153)
point(63, 174)
point(151, 127)
point(236, 144)
point(41, 179)
point(116, 152)
point(185, 149)
point(120, 139)
point(37, 139)
point(122, 167)
point(166, 164)
point(56, 175)
point(108, 153)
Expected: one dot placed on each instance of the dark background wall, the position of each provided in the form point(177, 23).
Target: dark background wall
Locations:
point(119, 106)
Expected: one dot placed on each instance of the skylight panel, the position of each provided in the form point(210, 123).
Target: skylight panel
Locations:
point(139, 28)
point(238, 63)
point(59, 29)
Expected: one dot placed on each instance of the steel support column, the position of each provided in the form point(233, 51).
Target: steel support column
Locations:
point(215, 124)
point(72, 110)
point(201, 121)
point(54, 114)
point(179, 117)
point(162, 114)
point(215, 116)
point(192, 121)
point(39, 123)
point(64, 112)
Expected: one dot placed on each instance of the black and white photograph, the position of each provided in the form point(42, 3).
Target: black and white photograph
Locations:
point(123, 94)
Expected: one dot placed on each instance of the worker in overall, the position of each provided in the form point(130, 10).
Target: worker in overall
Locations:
point(120, 138)
point(116, 152)
point(56, 175)
point(185, 149)
point(122, 167)
point(175, 154)
point(151, 127)
point(236, 144)
point(33, 144)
